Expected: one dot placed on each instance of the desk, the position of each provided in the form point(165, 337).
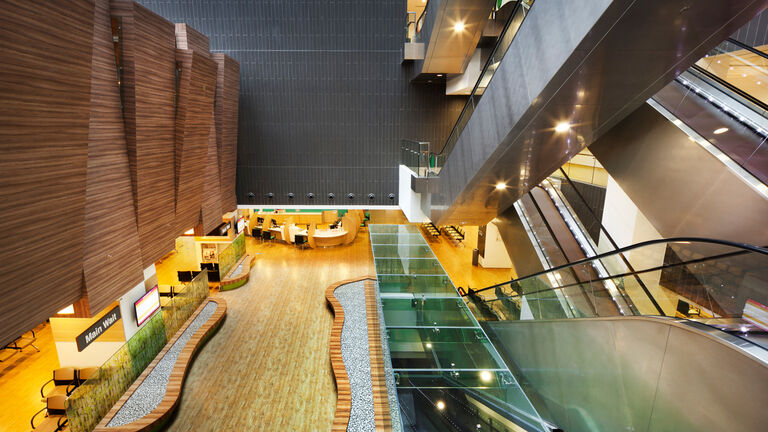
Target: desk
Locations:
point(329, 237)
point(301, 218)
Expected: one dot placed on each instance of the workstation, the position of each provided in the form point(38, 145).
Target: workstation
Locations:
point(323, 228)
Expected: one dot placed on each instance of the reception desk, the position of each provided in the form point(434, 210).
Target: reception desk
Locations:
point(299, 218)
point(329, 237)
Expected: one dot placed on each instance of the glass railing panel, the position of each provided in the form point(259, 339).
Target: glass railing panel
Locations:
point(401, 238)
point(691, 279)
point(441, 348)
point(739, 67)
point(393, 229)
point(408, 266)
point(427, 312)
point(468, 393)
point(405, 251)
point(418, 286)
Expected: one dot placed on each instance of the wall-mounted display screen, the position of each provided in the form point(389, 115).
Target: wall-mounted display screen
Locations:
point(147, 305)
point(240, 225)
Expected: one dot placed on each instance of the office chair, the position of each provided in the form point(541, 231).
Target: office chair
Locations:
point(299, 240)
point(266, 235)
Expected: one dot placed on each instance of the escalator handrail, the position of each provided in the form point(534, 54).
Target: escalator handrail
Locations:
point(746, 247)
point(730, 87)
point(488, 63)
point(631, 273)
point(751, 49)
point(613, 243)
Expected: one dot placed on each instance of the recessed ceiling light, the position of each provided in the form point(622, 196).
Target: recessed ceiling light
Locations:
point(744, 75)
point(501, 186)
point(730, 68)
point(429, 345)
point(720, 131)
point(562, 127)
point(440, 405)
point(718, 62)
point(485, 376)
point(458, 27)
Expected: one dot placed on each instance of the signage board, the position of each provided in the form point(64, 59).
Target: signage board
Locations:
point(98, 328)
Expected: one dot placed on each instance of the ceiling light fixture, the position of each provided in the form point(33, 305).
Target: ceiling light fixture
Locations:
point(458, 27)
point(440, 405)
point(562, 127)
point(501, 186)
point(720, 131)
point(485, 376)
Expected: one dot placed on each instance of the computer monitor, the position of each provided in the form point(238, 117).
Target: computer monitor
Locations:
point(260, 220)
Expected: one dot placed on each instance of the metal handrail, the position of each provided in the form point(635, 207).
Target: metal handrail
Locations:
point(746, 247)
point(488, 63)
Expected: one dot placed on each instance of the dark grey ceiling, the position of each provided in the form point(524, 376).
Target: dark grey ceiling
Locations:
point(324, 98)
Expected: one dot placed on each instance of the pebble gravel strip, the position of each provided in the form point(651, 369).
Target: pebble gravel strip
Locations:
point(394, 405)
point(152, 390)
point(354, 352)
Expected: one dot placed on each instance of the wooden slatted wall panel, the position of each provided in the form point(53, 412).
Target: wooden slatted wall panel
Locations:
point(211, 211)
point(112, 258)
point(227, 92)
point(149, 52)
point(45, 47)
point(190, 39)
point(193, 117)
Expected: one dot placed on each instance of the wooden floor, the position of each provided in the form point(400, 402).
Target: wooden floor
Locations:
point(268, 367)
point(457, 262)
point(21, 378)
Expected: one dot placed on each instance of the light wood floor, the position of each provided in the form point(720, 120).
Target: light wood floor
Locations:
point(21, 378)
point(457, 262)
point(268, 367)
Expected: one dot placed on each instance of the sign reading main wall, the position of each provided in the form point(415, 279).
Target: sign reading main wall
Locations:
point(98, 328)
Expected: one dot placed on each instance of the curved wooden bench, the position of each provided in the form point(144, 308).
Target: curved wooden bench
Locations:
point(235, 279)
point(344, 393)
point(158, 416)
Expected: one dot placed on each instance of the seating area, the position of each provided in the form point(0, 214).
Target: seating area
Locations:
point(18, 345)
point(55, 393)
point(454, 234)
point(54, 415)
point(431, 231)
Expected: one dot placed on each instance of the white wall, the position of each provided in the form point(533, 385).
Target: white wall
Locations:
point(463, 84)
point(496, 255)
point(628, 226)
point(130, 325)
point(410, 201)
point(93, 355)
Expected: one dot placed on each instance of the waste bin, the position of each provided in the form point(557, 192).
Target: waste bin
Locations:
point(475, 256)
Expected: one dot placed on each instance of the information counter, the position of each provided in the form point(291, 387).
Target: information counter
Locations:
point(329, 237)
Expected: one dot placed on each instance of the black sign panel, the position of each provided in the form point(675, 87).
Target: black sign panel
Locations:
point(98, 328)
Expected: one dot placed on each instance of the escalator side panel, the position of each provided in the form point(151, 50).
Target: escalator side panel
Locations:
point(680, 187)
point(638, 373)
point(740, 143)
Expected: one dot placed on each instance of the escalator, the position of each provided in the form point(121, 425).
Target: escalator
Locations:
point(723, 98)
point(644, 370)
